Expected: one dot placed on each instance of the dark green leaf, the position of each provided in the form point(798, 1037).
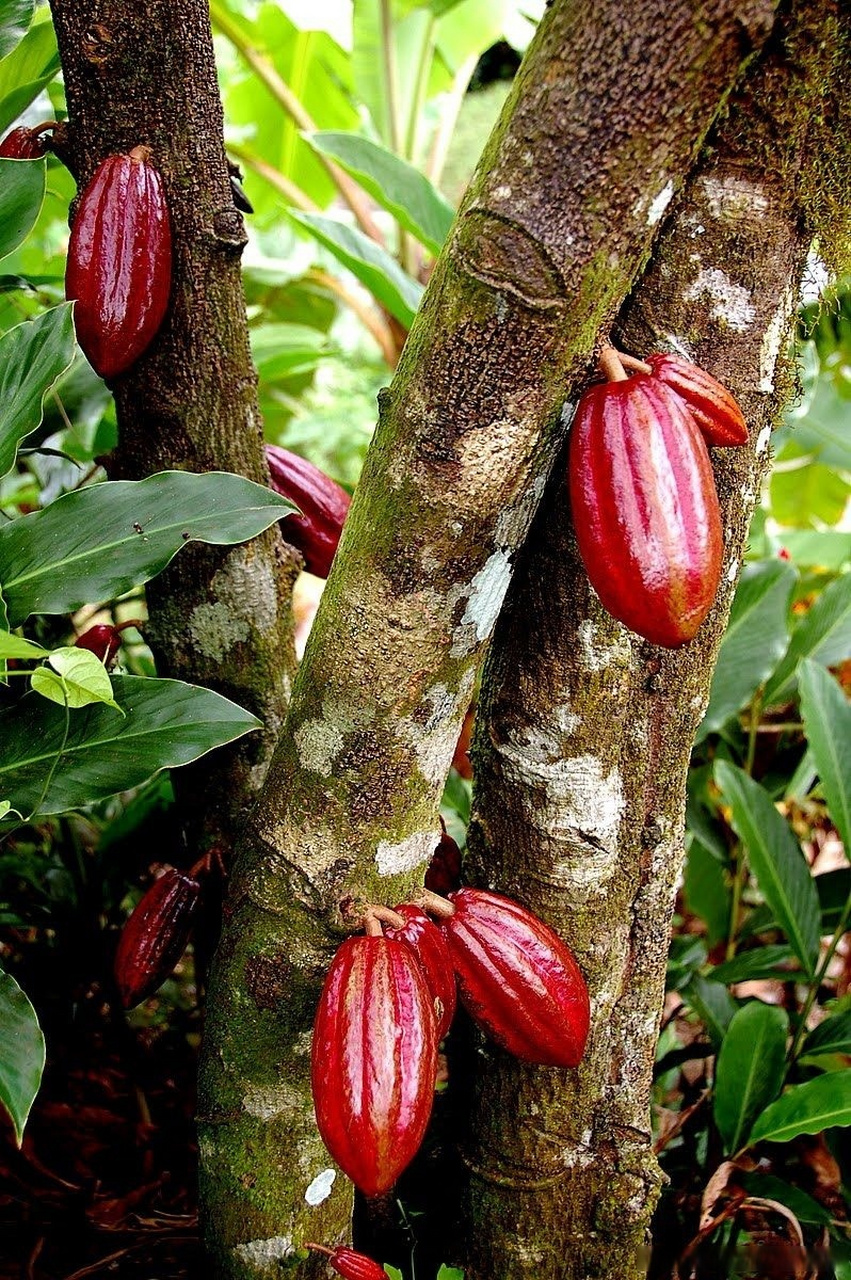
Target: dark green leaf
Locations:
point(165, 723)
point(712, 1003)
point(32, 356)
point(21, 196)
point(687, 953)
point(823, 1103)
point(766, 1187)
point(824, 634)
point(776, 859)
point(827, 723)
point(15, 18)
point(21, 1053)
point(750, 1069)
point(101, 541)
point(833, 1035)
point(707, 891)
point(762, 962)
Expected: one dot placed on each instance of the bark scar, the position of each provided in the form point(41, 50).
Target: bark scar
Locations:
point(504, 255)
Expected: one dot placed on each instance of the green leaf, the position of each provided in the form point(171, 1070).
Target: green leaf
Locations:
point(392, 287)
point(394, 184)
point(32, 356)
point(824, 634)
point(750, 1069)
point(827, 722)
point(285, 350)
point(707, 890)
point(823, 1103)
point(767, 1187)
point(21, 1053)
point(776, 859)
point(755, 640)
point(833, 1035)
point(99, 542)
point(808, 497)
point(77, 679)
point(828, 549)
point(712, 1003)
point(15, 18)
point(770, 961)
point(16, 647)
point(25, 71)
point(165, 723)
point(450, 1273)
point(22, 184)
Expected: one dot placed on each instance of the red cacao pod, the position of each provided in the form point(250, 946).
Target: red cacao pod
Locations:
point(714, 410)
point(119, 262)
point(22, 144)
point(351, 1265)
point(374, 1060)
point(645, 508)
point(517, 979)
point(154, 937)
point(444, 871)
point(103, 641)
point(323, 503)
point(431, 949)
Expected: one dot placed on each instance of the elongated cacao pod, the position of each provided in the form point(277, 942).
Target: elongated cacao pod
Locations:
point(155, 936)
point(716, 413)
point(645, 508)
point(324, 505)
point(374, 1060)
point(430, 947)
point(22, 144)
point(517, 979)
point(119, 262)
point(351, 1265)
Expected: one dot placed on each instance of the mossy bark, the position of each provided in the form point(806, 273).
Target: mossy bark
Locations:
point(145, 73)
point(584, 730)
point(541, 257)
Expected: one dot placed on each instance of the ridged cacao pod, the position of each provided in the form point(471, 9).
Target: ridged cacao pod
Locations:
point(716, 413)
point(22, 144)
point(444, 871)
point(431, 949)
point(517, 979)
point(323, 503)
point(155, 936)
point(119, 262)
point(351, 1265)
point(645, 508)
point(374, 1060)
point(103, 641)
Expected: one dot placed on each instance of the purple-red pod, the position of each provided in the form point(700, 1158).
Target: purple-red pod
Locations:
point(22, 144)
point(323, 503)
point(349, 1264)
point(101, 640)
point(429, 945)
point(716, 413)
point(155, 935)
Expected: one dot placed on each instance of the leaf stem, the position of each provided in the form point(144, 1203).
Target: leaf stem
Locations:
point(820, 974)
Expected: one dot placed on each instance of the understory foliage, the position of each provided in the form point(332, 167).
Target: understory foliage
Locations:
point(353, 168)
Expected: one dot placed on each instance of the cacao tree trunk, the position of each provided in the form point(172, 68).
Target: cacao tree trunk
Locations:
point(584, 735)
point(540, 259)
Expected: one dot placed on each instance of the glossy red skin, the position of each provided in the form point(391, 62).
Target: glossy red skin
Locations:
point(431, 949)
point(645, 509)
point(155, 936)
point(323, 503)
point(374, 1060)
point(103, 641)
point(444, 871)
point(22, 144)
point(517, 979)
point(719, 418)
point(119, 263)
point(355, 1266)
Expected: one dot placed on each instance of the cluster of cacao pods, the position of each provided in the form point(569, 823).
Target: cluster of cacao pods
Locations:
point(323, 503)
point(645, 508)
point(389, 997)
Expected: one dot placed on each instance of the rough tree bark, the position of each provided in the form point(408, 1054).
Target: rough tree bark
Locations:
point(541, 256)
point(146, 74)
point(584, 734)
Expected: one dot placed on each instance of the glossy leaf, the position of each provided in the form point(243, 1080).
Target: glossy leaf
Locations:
point(165, 723)
point(22, 185)
point(32, 356)
point(712, 1003)
point(74, 678)
point(833, 1035)
point(776, 860)
point(25, 71)
point(823, 634)
point(823, 1103)
point(394, 184)
point(750, 1069)
point(21, 1053)
point(101, 541)
point(755, 640)
point(368, 262)
point(15, 18)
point(827, 723)
point(770, 961)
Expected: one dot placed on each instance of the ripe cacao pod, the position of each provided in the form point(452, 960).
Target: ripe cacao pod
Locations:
point(154, 937)
point(323, 503)
point(351, 1265)
point(714, 410)
point(119, 262)
point(102, 640)
point(517, 979)
point(374, 1060)
point(444, 871)
point(429, 945)
point(645, 508)
point(23, 144)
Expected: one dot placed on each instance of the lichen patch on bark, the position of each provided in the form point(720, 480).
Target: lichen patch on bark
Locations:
point(730, 303)
point(410, 853)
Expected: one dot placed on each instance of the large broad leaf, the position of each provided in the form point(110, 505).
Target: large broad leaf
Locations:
point(828, 549)
point(286, 350)
point(776, 858)
point(32, 356)
point(25, 71)
point(807, 494)
point(823, 429)
point(819, 1104)
point(97, 543)
point(21, 1053)
point(397, 186)
point(392, 60)
point(392, 287)
point(755, 640)
point(15, 18)
point(21, 195)
point(827, 722)
point(824, 634)
point(165, 723)
point(750, 1069)
point(831, 1036)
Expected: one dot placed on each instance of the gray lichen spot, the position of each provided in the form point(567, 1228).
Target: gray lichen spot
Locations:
point(320, 1187)
point(514, 522)
point(265, 1104)
point(731, 303)
point(596, 656)
point(215, 629)
point(319, 743)
point(485, 595)
point(265, 1255)
point(730, 197)
point(413, 851)
point(772, 341)
point(658, 204)
point(434, 742)
point(246, 585)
